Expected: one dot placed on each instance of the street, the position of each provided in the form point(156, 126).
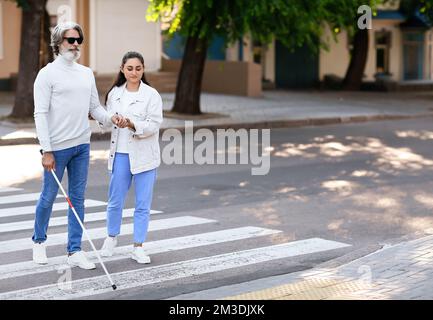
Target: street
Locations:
point(337, 191)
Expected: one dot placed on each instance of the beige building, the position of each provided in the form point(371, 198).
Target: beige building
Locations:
point(111, 28)
point(10, 26)
point(400, 49)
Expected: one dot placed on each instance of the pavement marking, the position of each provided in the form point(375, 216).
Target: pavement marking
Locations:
point(99, 233)
point(23, 197)
point(178, 270)
point(5, 189)
point(167, 245)
point(61, 221)
point(19, 211)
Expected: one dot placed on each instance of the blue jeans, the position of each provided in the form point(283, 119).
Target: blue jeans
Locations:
point(120, 182)
point(76, 161)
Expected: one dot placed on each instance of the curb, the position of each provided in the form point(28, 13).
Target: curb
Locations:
point(273, 124)
point(350, 257)
point(372, 249)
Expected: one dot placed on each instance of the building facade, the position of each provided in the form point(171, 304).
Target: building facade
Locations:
point(400, 48)
point(111, 28)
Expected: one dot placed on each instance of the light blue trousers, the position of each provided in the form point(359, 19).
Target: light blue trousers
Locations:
point(120, 182)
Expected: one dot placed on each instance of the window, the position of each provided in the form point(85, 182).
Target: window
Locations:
point(414, 51)
point(257, 52)
point(383, 44)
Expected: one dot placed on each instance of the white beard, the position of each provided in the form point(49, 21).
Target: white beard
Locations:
point(71, 55)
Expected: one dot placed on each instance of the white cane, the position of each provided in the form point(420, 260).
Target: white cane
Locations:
point(82, 227)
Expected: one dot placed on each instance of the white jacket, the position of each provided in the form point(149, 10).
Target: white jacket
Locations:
point(146, 114)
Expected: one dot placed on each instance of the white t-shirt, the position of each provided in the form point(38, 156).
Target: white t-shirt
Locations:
point(123, 138)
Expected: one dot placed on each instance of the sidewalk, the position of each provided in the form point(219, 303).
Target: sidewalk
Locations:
point(275, 109)
point(402, 271)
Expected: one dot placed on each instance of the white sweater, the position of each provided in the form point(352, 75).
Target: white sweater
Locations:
point(64, 93)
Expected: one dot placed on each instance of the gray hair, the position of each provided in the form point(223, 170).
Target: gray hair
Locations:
point(59, 32)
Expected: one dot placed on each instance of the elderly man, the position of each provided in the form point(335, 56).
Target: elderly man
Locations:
point(64, 94)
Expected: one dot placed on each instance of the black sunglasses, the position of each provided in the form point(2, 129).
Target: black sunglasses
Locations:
point(72, 40)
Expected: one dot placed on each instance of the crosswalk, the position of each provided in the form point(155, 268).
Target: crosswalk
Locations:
point(20, 211)
point(21, 198)
point(23, 277)
point(9, 189)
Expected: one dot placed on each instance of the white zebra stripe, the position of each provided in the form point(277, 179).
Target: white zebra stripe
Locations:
point(61, 221)
point(23, 197)
point(20, 211)
point(5, 189)
point(178, 270)
point(98, 233)
point(167, 245)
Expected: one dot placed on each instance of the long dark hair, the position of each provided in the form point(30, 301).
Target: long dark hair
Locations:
point(120, 79)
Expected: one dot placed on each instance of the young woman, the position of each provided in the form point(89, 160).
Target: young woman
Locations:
point(134, 151)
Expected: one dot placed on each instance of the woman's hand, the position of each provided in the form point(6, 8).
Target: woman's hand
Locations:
point(119, 121)
point(115, 119)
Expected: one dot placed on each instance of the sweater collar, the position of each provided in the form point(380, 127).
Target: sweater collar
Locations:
point(61, 60)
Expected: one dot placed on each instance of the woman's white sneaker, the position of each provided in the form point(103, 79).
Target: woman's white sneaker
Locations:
point(108, 246)
point(39, 253)
point(79, 259)
point(139, 255)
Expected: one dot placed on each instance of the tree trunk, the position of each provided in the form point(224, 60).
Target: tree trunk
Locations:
point(188, 89)
point(32, 24)
point(47, 52)
point(355, 72)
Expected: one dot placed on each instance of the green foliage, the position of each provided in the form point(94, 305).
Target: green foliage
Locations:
point(24, 4)
point(342, 14)
point(425, 7)
point(293, 22)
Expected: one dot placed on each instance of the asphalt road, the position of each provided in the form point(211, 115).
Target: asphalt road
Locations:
point(331, 192)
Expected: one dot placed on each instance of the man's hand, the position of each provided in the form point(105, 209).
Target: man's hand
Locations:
point(130, 124)
point(48, 161)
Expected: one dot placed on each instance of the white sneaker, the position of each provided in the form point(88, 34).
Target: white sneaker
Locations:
point(39, 253)
point(79, 259)
point(108, 246)
point(139, 255)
